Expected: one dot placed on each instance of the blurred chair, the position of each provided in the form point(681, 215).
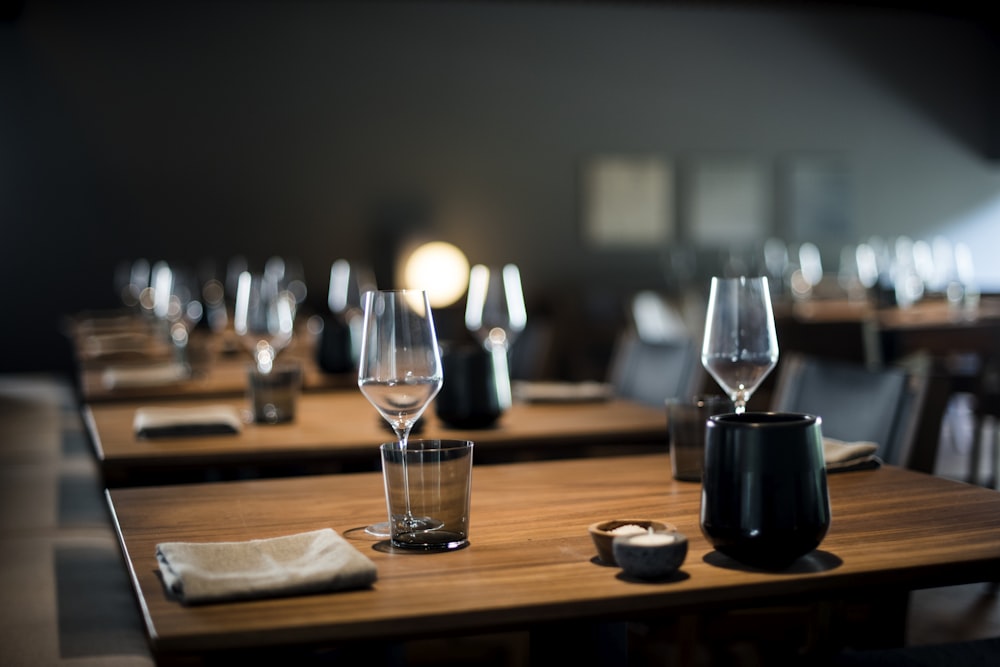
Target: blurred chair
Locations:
point(965, 366)
point(651, 372)
point(856, 402)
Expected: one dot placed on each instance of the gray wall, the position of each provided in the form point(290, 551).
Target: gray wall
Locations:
point(323, 130)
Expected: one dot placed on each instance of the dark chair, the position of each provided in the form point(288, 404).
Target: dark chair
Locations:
point(965, 356)
point(856, 402)
point(653, 372)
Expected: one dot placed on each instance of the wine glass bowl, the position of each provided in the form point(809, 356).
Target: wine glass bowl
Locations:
point(740, 345)
point(340, 342)
point(264, 316)
point(175, 306)
point(495, 313)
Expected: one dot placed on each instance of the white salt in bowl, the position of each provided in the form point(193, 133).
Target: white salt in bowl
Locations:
point(604, 532)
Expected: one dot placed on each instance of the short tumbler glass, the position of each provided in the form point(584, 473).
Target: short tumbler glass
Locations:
point(437, 477)
point(274, 395)
point(686, 423)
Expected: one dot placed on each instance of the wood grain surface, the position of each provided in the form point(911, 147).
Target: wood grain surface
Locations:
point(531, 560)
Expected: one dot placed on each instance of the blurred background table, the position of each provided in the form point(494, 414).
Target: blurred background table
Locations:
point(340, 431)
point(119, 359)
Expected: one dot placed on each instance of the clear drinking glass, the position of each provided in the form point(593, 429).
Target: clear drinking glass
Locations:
point(740, 346)
point(400, 367)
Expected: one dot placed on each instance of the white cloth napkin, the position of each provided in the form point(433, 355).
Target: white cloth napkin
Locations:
point(842, 455)
point(159, 422)
point(123, 377)
point(311, 562)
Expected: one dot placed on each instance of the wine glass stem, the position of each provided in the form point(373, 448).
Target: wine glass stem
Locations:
point(740, 401)
point(404, 435)
point(502, 374)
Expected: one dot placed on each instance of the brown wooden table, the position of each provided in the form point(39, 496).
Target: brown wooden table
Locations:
point(339, 431)
point(531, 563)
point(106, 342)
point(214, 373)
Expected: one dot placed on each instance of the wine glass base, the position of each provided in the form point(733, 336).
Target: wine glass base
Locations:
point(380, 529)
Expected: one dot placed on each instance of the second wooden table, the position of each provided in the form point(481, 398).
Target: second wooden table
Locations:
point(339, 431)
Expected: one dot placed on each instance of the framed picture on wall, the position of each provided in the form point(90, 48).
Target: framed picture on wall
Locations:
point(730, 201)
point(627, 201)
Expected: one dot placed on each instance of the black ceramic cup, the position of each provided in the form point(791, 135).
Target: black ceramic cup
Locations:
point(469, 396)
point(764, 499)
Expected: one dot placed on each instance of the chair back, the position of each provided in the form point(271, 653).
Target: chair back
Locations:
point(651, 372)
point(855, 402)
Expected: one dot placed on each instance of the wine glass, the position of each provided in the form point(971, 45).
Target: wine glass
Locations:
point(184, 311)
point(264, 316)
point(400, 369)
point(175, 307)
point(495, 314)
point(349, 282)
point(740, 346)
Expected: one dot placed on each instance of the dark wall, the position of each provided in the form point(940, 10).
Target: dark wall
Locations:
point(319, 130)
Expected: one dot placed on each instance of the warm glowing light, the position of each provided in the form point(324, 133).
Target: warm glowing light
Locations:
point(440, 269)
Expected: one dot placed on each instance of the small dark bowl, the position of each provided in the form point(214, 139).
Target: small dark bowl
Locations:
point(603, 533)
point(651, 556)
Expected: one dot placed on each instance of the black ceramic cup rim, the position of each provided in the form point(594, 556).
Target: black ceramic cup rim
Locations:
point(766, 419)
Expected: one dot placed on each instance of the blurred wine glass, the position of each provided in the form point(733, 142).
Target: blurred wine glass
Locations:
point(495, 314)
point(349, 281)
point(740, 346)
point(264, 316)
point(176, 305)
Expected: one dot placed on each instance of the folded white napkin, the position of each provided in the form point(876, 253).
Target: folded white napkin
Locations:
point(123, 377)
point(153, 422)
point(842, 455)
point(311, 562)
